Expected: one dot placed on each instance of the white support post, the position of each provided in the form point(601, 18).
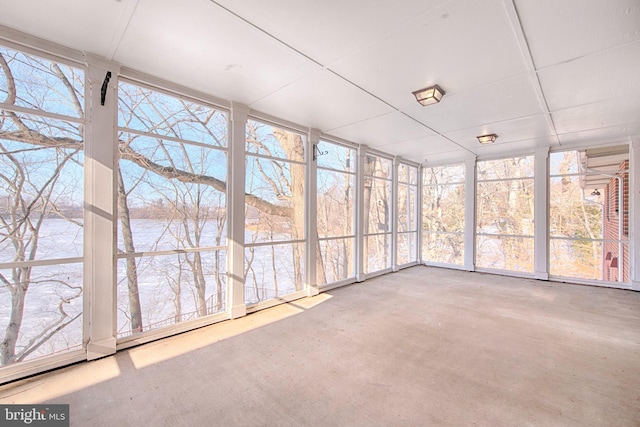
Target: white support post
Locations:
point(312, 217)
point(360, 225)
point(419, 216)
point(236, 306)
point(634, 214)
point(541, 213)
point(394, 214)
point(469, 213)
point(100, 217)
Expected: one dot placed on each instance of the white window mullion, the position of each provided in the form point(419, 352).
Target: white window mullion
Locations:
point(541, 213)
point(311, 225)
point(360, 225)
point(470, 214)
point(395, 193)
point(100, 192)
point(236, 306)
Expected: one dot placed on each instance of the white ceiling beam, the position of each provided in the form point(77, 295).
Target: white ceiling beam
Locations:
point(527, 58)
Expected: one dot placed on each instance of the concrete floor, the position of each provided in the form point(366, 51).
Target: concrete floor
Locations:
point(420, 347)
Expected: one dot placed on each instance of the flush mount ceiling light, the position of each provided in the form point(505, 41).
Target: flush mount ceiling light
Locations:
point(429, 95)
point(595, 192)
point(487, 139)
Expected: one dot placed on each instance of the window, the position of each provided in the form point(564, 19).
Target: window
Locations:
point(336, 177)
point(377, 213)
point(504, 219)
point(171, 202)
point(443, 215)
point(41, 207)
point(407, 214)
point(585, 229)
point(275, 212)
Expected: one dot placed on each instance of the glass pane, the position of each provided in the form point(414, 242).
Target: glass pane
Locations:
point(336, 205)
point(576, 258)
point(163, 290)
point(505, 207)
point(273, 271)
point(334, 156)
point(377, 205)
point(378, 167)
point(154, 112)
point(443, 175)
point(41, 202)
point(275, 200)
point(443, 208)
point(565, 162)
point(271, 141)
point(40, 84)
point(377, 252)
point(337, 258)
point(50, 321)
point(407, 248)
point(572, 211)
point(443, 248)
point(407, 174)
point(514, 167)
point(407, 207)
point(505, 253)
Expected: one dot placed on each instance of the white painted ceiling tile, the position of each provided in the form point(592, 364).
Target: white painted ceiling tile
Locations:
point(323, 101)
point(381, 130)
point(327, 30)
point(610, 74)
point(508, 99)
point(605, 114)
point(89, 26)
point(561, 30)
point(521, 129)
point(444, 158)
point(460, 45)
point(602, 135)
point(230, 59)
point(420, 148)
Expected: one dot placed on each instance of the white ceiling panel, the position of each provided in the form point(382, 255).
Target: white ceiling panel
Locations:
point(91, 26)
point(561, 30)
point(327, 30)
point(509, 131)
point(420, 148)
point(610, 74)
point(508, 99)
point(323, 101)
point(605, 114)
point(459, 45)
point(509, 148)
point(601, 135)
point(208, 49)
point(448, 157)
point(382, 130)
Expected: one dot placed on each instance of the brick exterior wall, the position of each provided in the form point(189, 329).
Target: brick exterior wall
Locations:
point(613, 264)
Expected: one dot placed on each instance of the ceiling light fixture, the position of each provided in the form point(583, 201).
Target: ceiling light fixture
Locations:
point(487, 139)
point(429, 95)
point(595, 192)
